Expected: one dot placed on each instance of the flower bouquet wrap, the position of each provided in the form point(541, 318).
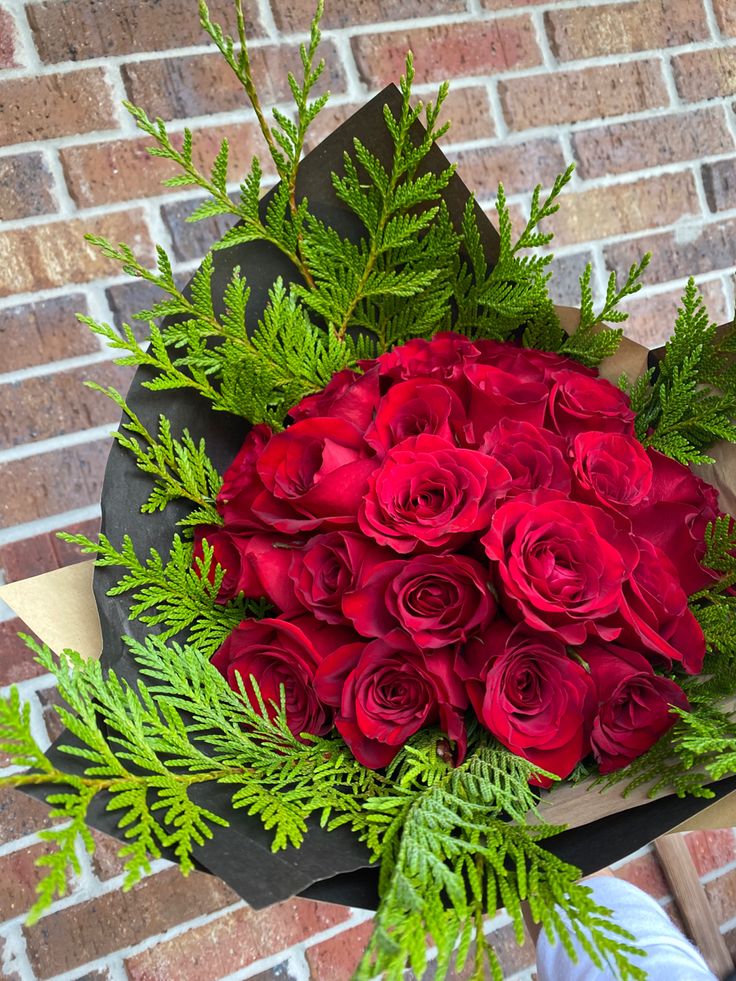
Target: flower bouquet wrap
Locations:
point(398, 560)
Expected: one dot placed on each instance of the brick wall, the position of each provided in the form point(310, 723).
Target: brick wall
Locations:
point(637, 93)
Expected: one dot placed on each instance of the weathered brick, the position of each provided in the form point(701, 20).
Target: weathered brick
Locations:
point(564, 286)
point(20, 815)
point(726, 16)
point(582, 32)
point(19, 876)
point(47, 106)
point(721, 893)
point(49, 698)
point(42, 553)
point(233, 941)
point(337, 958)
point(589, 93)
point(3, 954)
point(709, 74)
point(131, 297)
point(504, 4)
point(65, 552)
point(79, 29)
point(56, 254)
point(8, 36)
point(652, 315)
point(194, 239)
point(651, 142)
point(44, 406)
point(520, 166)
point(72, 936)
point(686, 251)
point(622, 208)
point(196, 85)
point(712, 849)
point(26, 186)
point(47, 330)
point(105, 859)
point(98, 173)
point(646, 873)
point(448, 50)
point(280, 972)
point(52, 483)
point(719, 180)
point(296, 16)
point(16, 661)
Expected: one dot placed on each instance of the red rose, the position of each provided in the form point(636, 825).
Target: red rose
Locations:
point(494, 395)
point(439, 358)
point(674, 517)
point(348, 395)
point(413, 407)
point(280, 653)
point(428, 494)
point(535, 699)
point(228, 551)
point(383, 696)
point(578, 404)
point(656, 613)
point(534, 457)
point(328, 567)
point(528, 364)
point(611, 469)
point(314, 473)
point(241, 483)
point(427, 602)
point(560, 564)
point(633, 704)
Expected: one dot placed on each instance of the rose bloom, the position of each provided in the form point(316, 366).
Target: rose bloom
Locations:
point(440, 359)
point(535, 699)
point(383, 696)
point(611, 469)
point(560, 565)
point(494, 395)
point(420, 405)
point(314, 473)
point(578, 404)
point(534, 457)
point(241, 484)
point(348, 395)
point(633, 704)
point(278, 652)
point(228, 551)
point(526, 363)
point(424, 603)
point(428, 494)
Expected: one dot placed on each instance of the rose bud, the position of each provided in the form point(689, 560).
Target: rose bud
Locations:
point(424, 603)
point(241, 483)
point(385, 696)
point(413, 407)
point(578, 404)
point(633, 704)
point(611, 470)
point(428, 494)
point(535, 699)
point(278, 652)
point(348, 395)
point(534, 457)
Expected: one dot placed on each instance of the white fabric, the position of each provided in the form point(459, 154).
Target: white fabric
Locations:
point(670, 957)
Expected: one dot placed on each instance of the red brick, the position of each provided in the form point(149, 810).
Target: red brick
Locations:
point(49, 698)
point(47, 330)
point(511, 956)
point(337, 958)
point(20, 815)
point(721, 893)
point(27, 557)
point(646, 873)
point(564, 286)
point(652, 315)
point(297, 16)
point(56, 254)
point(710, 850)
point(193, 239)
point(67, 554)
point(131, 297)
point(651, 142)
point(719, 180)
point(77, 934)
point(200, 84)
point(8, 40)
point(619, 209)
point(687, 251)
point(504, 4)
point(520, 166)
point(447, 50)
point(47, 106)
point(726, 16)
point(98, 173)
point(52, 483)
point(19, 876)
point(233, 941)
point(81, 29)
point(105, 861)
point(709, 74)
point(16, 661)
point(581, 32)
point(26, 186)
point(590, 93)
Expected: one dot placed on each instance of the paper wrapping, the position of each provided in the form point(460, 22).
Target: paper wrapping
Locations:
point(61, 610)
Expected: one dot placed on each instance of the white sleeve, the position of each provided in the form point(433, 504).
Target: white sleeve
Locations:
point(670, 957)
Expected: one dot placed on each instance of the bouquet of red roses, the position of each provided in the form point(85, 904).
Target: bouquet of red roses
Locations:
point(466, 524)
